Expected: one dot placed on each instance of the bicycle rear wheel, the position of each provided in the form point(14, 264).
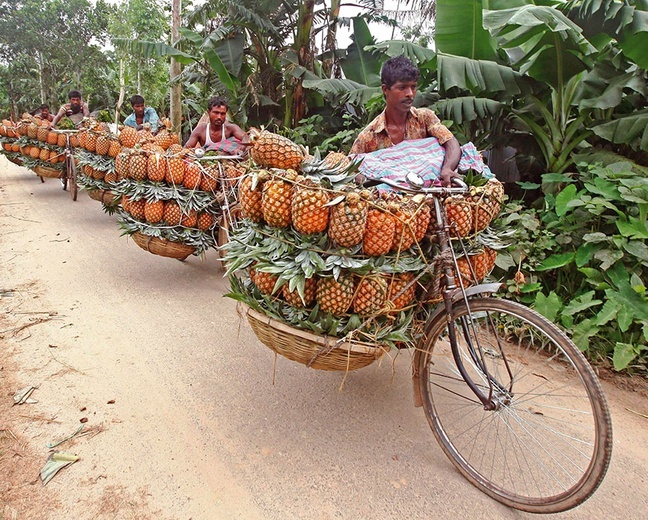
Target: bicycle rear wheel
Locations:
point(72, 178)
point(547, 445)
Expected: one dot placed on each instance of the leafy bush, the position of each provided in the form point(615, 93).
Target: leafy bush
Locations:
point(586, 255)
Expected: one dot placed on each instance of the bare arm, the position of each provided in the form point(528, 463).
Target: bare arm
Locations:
point(450, 161)
point(238, 132)
point(59, 115)
point(197, 137)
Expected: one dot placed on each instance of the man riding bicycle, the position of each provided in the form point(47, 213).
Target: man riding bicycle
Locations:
point(76, 109)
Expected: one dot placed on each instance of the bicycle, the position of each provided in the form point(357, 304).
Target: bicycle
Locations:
point(69, 178)
point(511, 400)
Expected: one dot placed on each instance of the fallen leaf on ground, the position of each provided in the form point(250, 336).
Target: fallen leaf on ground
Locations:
point(55, 462)
point(22, 396)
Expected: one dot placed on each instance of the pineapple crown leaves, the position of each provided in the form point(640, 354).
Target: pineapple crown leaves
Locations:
point(475, 178)
point(65, 124)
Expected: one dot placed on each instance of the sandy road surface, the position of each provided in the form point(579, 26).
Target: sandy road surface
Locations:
point(198, 430)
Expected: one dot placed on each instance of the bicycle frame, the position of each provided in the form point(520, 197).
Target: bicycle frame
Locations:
point(451, 294)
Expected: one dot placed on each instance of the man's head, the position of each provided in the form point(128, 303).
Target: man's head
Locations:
point(75, 101)
point(137, 102)
point(44, 110)
point(398, 68)
point(399, 78)
point(217, 110)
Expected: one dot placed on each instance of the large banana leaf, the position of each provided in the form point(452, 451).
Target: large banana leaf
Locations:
point(154, 50)
point(362, 66)
point(631, 130)
point(626, 22)
point(343, 90)
point(541, 42)
point(469, 108)
point(605, 86)
point(479, 77)
point(459, 30)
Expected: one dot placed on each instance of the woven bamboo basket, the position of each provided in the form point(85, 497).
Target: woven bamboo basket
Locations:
point(312, 350)
point(51, 173)
point(103, 196)
point(162, 247)
point(17, 161)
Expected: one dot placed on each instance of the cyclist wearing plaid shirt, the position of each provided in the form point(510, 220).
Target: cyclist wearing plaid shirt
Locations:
point(400, 121)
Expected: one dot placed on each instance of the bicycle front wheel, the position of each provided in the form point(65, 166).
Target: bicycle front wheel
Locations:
point(547, 444)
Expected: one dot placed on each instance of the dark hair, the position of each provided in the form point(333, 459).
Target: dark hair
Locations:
point(136, 100)
point(398, 68)
point(74, 93)
point(43, 107)
point(217, 101)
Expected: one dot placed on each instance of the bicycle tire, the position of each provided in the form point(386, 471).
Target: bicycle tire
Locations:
point(548, 446)
point(74, 187)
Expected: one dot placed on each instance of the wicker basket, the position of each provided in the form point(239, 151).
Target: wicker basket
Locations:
point(312, 350)
point(16, 160)
point(103, 196)
point(51, 173)
point(162, 247)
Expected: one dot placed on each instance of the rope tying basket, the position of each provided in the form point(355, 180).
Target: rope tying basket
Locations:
point(103, 196)
point(162, 247)
point(50, 173)
point(312, 350)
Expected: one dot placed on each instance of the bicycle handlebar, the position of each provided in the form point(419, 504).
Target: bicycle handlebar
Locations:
point(415, 185)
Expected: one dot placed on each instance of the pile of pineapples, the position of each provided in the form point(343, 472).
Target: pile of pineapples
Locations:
point(31, 143)
point(166, 192)
point(318, 252)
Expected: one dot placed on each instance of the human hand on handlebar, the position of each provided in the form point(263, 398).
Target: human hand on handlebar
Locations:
point(447, 175)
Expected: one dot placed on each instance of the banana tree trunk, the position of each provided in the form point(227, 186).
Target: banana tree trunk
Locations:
point(329, 62)
point(296, 108)
point(122, 90)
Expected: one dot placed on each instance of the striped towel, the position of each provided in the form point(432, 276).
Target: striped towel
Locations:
point(230, 146)
point(421, 156)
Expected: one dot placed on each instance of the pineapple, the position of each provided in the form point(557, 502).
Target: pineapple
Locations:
point(155, 167)
point(250, 195)
point(128, 137)
point(192, 175)
point(309, 211)
point(423, 214)
point(113, 147)
point(103, 144)
point(172, 213)
point(335, 296)
point(274, 151)
point(205, 221)
point(276, 202)
point(405, 226)
point(122, 165)
point(136, 209)
point(486, 197)
point(348, 220)
point(336, 160)
point(175, 170)
point(293, 298)
point(111, 177)
point(209, 178)
point(370, 295)
point(164, 139)
point(43, 154)
point(401, 290)
point(154, 211)
point(32, 131)
point(189, 219)
point(459, 215)
point(233, 172)
point(53, 137)
point(74, 141)
point(137, 166)
point(483, 262)
point(264, 281)
point(91, 141)
point(98, 174)
point(61, 140)
point(41, 133)
point(379, 232)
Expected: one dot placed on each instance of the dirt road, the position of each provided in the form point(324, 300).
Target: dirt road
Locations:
point(188, 415)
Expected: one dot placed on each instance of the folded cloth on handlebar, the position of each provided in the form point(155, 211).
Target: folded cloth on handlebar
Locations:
point(229, 146)
point(421, 156)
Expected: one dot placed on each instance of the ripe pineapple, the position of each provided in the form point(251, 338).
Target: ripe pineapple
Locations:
point(423, 214)
point(209, 178)
point(122, 165)
point(264, 281)
point(379, 232)
point(98, 174)
point(370, 295)
point(463, 264)
point(172, 213)
point(125, 203)
point(233, 172)
point(348, 220)
point(483, 262)
point(155, 167)
point(192, 175)
point(250, 193)
point(309, 213)
point(43, 154)
point(136, 209)
point(91, 141)
point(41, 133)
point(401, 290)
point(32, 131)
point(276, 202)
point(205, 221)
point(114, 147)
point(52, 137)
point(486, 197)
point(274, 151)
point(175, 170)
point(459, 215)
point(154, 211)
point(405, 226)
point(164, 139)
point(293, 298)
point(128, 137)
point(137, 166)
point(111, 177)
point(103, 144)
point(335, 296)
point(189, 219)
point(336, 160)
point(61, 140)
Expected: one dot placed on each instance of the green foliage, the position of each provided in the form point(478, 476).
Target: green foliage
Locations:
point(587, 257)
